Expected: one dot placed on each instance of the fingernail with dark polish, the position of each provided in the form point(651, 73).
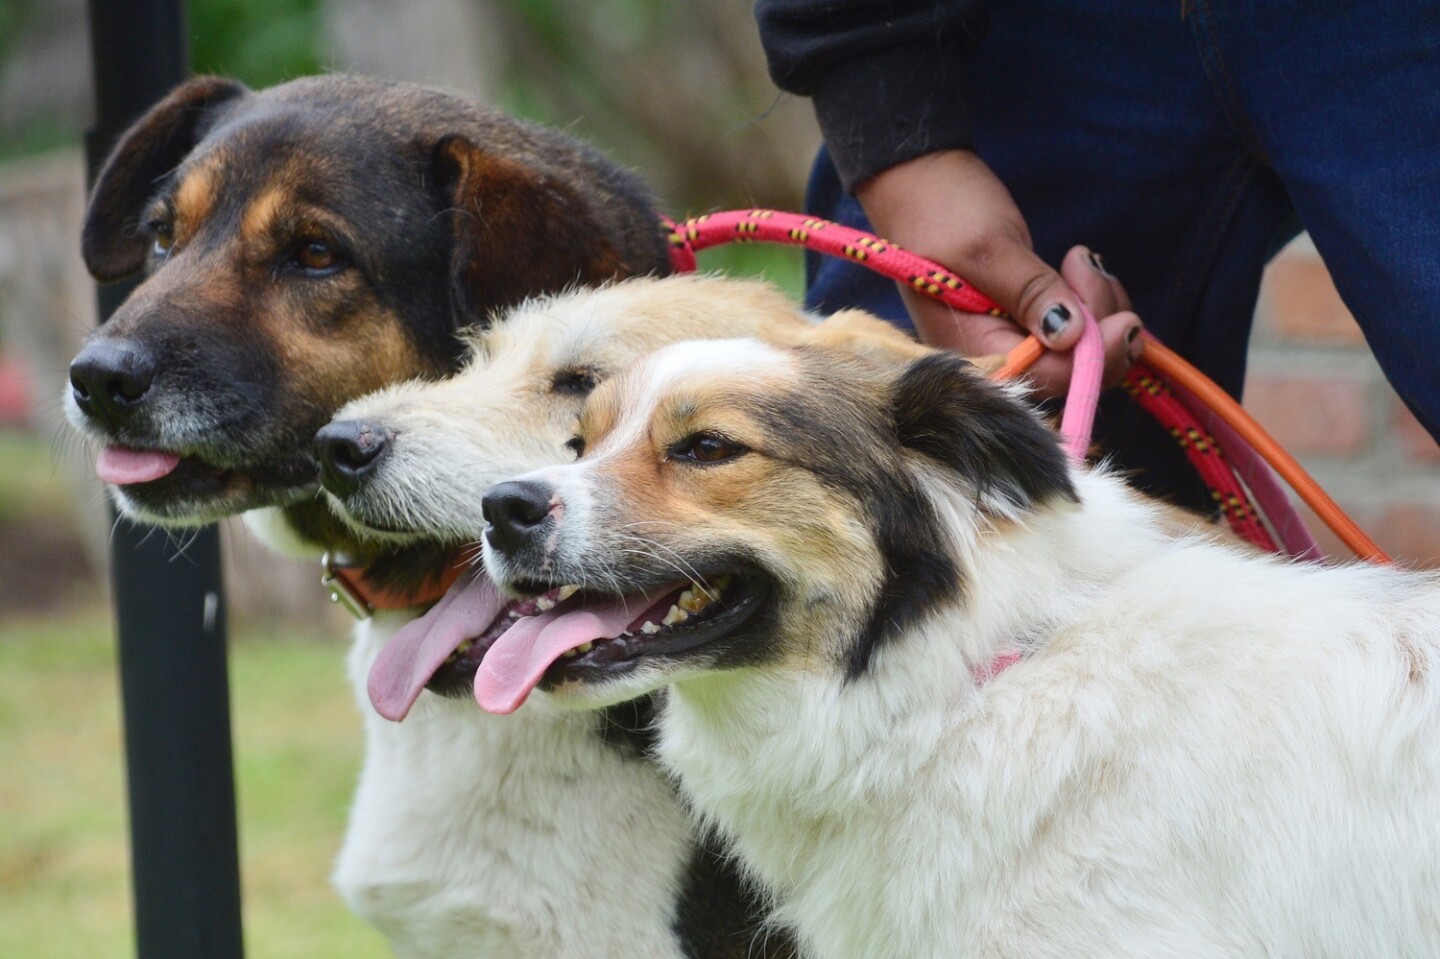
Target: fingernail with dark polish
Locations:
point(1132, 334)
point(1055, 319)
point(1098, 262)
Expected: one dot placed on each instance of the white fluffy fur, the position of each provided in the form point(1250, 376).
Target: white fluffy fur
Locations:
point(1204, 753)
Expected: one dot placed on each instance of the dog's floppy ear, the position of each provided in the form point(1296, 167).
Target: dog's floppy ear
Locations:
point(945, 410)
point(518, 231)
point(156, 144)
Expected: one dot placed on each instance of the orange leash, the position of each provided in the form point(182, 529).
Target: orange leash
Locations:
point(1170, 363)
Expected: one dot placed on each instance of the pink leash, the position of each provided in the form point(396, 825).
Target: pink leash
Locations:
point(1077, 422)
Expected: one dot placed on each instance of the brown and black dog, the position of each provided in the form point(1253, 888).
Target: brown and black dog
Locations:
point(305, 245)
point(302, 246)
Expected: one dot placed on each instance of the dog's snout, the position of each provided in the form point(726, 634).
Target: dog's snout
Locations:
point(349, 452)
point(515, 511)
point(110, 378)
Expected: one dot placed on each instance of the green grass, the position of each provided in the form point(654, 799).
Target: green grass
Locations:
point(64, 887)
point(782, 265)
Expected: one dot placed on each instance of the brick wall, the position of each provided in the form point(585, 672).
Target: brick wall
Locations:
point(1314, 385)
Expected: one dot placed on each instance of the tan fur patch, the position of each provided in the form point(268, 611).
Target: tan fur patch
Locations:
point(194, 201)
point(372, 351)
point(260, 216)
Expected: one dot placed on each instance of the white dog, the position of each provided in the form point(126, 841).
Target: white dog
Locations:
point(547, 834)
point(949, 696)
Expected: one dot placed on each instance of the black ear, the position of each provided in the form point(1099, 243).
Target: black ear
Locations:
point(518, 231)
point(944, 409)
point(156, 144)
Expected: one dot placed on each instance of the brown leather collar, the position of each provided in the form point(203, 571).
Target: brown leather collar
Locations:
point(352, 591)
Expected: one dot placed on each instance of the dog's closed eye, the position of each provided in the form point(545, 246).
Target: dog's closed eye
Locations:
point(576, 445)
point(577, 382)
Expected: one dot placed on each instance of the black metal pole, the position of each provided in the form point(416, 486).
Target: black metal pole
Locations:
point(169, 605)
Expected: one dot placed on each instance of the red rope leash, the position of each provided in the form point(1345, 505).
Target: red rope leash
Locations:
point(822, 236)
point(1154, 395)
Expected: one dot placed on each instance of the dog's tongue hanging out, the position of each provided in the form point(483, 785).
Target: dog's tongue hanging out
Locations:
point(121, 467)
point(517, 661)
point(422, 645)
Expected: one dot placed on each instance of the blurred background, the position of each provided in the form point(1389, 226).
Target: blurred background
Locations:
point(675, 90)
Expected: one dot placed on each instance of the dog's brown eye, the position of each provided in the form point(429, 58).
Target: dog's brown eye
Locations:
point(573, 382)
point(317, 256)
point(576, 445)
point(164, 233)
point(706, 448)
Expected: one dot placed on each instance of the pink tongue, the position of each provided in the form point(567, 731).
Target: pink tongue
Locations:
point(517, 660)
point(121, 466)
point(413, 654)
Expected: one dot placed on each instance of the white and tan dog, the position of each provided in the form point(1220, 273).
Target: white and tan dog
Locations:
point(547, 834)
point(949, 696)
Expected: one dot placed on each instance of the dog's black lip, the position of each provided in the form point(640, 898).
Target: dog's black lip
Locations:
point(742, 601)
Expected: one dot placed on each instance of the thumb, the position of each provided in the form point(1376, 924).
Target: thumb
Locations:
point(1038, 298)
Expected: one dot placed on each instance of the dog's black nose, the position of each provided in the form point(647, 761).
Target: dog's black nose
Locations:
point(516, 512)
point(349, 451)
point(109, 379)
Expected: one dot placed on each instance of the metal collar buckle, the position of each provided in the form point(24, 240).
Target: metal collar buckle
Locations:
point(341, 592)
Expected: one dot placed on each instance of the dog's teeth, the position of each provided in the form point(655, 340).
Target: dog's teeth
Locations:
point(650, 629)
point(570, 653)
point(565, 593)
point(544, 604)
point(676, 615)
point(584, 648)
point(464, 647)
point(693, 600)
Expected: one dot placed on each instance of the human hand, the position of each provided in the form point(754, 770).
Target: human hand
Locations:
point(948, 206)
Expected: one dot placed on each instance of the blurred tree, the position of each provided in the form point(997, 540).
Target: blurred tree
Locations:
point(261, 42)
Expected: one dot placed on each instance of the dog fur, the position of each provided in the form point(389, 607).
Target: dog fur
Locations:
point(1201, 751)
point(304, 245)
point(589, 813)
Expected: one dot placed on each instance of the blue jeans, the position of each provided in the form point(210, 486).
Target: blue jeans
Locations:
point(1185, 146)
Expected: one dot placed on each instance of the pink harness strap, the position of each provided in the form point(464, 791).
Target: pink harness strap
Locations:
point(984, 673)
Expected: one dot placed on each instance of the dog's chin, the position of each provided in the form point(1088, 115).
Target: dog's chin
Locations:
point(196, 492)
point(380, 527)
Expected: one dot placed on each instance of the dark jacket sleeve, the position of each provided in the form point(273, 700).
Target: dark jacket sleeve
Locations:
point(887, 77)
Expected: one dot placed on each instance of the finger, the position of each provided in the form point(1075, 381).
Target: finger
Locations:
point(1037, 296)
point(1120, 334)
point(1084, 271)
